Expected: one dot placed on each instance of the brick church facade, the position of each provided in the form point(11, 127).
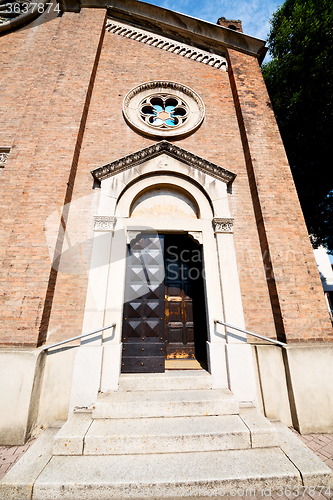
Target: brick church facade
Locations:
point(128, 123)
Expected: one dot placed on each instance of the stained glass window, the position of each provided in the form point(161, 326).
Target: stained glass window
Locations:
point(163, 111)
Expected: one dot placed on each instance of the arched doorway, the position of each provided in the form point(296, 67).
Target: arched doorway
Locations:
point(164, 315)
point(201, 189)
point(164, 284)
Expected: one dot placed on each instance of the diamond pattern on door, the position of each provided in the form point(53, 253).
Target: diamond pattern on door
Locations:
point(143, 322)
point(153, 309)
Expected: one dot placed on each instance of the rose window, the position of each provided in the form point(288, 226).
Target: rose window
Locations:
point(163, 111)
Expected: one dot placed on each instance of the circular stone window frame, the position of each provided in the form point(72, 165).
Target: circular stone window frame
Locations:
point(134, 98)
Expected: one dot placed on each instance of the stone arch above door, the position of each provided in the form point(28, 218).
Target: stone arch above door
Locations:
point(163, 201)
point(191, 202)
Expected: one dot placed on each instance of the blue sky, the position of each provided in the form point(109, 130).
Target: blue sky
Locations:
point(254, 14)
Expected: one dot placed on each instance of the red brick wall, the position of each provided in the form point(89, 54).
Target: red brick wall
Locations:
point(124, 64)
point(299, 306)
point(67, 122)
point(45, 131)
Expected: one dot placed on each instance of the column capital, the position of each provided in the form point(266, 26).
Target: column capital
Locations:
point(104, 222)
point(223, 224)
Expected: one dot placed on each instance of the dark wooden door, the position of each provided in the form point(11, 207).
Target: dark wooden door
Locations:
point(143, 321)
point(185, 321)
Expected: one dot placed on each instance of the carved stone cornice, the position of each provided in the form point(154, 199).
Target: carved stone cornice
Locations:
point(104, 222)
point(180, 154)
point(167, 44)
point(223, 224)
point(3, 158)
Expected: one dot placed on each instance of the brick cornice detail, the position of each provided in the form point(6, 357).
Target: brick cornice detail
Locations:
point(157, 149)
point(167, 44)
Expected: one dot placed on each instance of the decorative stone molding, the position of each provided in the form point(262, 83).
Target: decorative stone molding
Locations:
point(197, 236)
point(132, 235)
point(185, 99)
point(176, 152)
point(104, 222)
point(223, 224)
point(3, 157)
point(161, 42)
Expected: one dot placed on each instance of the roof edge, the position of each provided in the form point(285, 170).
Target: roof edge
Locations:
point(189, 29)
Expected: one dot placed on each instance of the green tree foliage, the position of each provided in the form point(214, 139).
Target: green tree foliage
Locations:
point(299, 79)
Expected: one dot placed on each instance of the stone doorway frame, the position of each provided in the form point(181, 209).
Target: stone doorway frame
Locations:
point(230, 363)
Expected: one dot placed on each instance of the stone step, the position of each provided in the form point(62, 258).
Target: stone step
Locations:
point(179, 475)
point(262, 471)
point(81, 434)
point(174, 403)
point(166, 435)
point(168, 381)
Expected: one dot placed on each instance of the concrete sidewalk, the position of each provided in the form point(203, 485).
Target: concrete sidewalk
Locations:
point(9, 455)
point(321, 445)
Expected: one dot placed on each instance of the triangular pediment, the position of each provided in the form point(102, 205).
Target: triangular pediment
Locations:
point(163, 147)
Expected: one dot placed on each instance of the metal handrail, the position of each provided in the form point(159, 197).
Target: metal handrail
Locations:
point(45, 348)
point(277, 342)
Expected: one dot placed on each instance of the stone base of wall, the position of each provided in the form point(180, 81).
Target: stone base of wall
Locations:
point(295, 385)
point(21, 373)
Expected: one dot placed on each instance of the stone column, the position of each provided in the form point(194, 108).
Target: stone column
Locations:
point(239, 353)
point(92, 355)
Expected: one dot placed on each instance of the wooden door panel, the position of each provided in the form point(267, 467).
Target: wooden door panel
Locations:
point(154, 292)
point(180, 291)
point(140, 349)
point(143, 364)
point(189, 333)
point(175, 332)
point(188, 309)
point(136, 291)
point(174, 291)
point(137, 275)
point(174, 311)
point(152, 329)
